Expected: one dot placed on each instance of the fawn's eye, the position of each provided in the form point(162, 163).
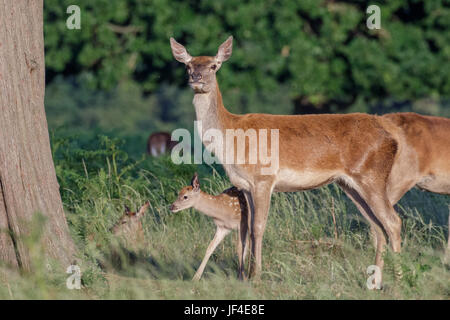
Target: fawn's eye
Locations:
point(213, 67)
point(185, 197)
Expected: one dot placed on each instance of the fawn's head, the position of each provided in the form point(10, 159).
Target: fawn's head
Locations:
point(202, 70)
point(130, 223)
point(188, 196)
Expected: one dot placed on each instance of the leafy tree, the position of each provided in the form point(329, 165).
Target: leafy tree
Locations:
point(321, 52)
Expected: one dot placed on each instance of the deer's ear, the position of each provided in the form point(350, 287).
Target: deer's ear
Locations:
point(179, 52)
point(144, 208)
point(225, 50)
point(195, 183)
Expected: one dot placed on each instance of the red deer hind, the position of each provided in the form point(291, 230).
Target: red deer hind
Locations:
point(374, 159)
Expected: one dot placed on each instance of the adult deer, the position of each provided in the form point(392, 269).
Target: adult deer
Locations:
point(159, 143)
point(374, 159)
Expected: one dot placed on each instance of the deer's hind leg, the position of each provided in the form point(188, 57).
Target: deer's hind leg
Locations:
point(376, 228)
point(388, 217)
point(374, 204)
point(370, 181)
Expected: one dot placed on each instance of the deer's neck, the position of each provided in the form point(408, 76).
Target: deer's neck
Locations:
point(210, 110)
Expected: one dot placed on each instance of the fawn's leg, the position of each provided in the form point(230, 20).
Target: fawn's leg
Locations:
point(218, 237)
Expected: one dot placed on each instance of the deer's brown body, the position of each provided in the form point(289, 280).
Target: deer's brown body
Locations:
point(374, 159)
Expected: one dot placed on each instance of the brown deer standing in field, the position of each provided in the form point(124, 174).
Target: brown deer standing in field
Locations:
point(159, 143)
point(229, 212)
point(374, 159)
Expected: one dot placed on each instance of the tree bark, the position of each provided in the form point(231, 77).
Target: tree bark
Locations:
point(28, 182)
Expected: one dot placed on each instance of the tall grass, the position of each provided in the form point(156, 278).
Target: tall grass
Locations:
point(307, 254)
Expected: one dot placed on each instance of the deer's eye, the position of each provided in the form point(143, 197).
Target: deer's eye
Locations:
point(124, 221)
point(185, 197)
point(213, 67)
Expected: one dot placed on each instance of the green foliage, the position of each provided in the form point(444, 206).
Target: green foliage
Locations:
point(116, 75)
point(320, 51)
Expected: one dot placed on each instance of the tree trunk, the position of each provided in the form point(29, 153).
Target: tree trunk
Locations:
point(28, 182)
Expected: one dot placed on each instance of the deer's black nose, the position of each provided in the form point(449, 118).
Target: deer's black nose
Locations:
point(196, 76)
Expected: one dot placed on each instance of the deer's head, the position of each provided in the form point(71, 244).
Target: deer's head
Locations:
point(130, 223)
point(202, 70)
point(188, 196)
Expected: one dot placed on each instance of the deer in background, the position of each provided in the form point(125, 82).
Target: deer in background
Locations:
point(229, 212)
point(374, 159)
point(159, 143)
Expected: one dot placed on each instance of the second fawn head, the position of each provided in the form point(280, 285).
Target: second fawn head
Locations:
point(130, 224)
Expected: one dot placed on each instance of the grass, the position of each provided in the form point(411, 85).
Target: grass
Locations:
point(305, 254)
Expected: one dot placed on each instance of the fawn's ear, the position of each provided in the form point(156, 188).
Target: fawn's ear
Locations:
point(225, 50)
point(194, 183)
point(144, 208)
point(179, 52)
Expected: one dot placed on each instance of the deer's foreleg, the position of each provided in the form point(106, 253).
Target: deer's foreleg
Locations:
point(218, 237)
point(261, 195)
